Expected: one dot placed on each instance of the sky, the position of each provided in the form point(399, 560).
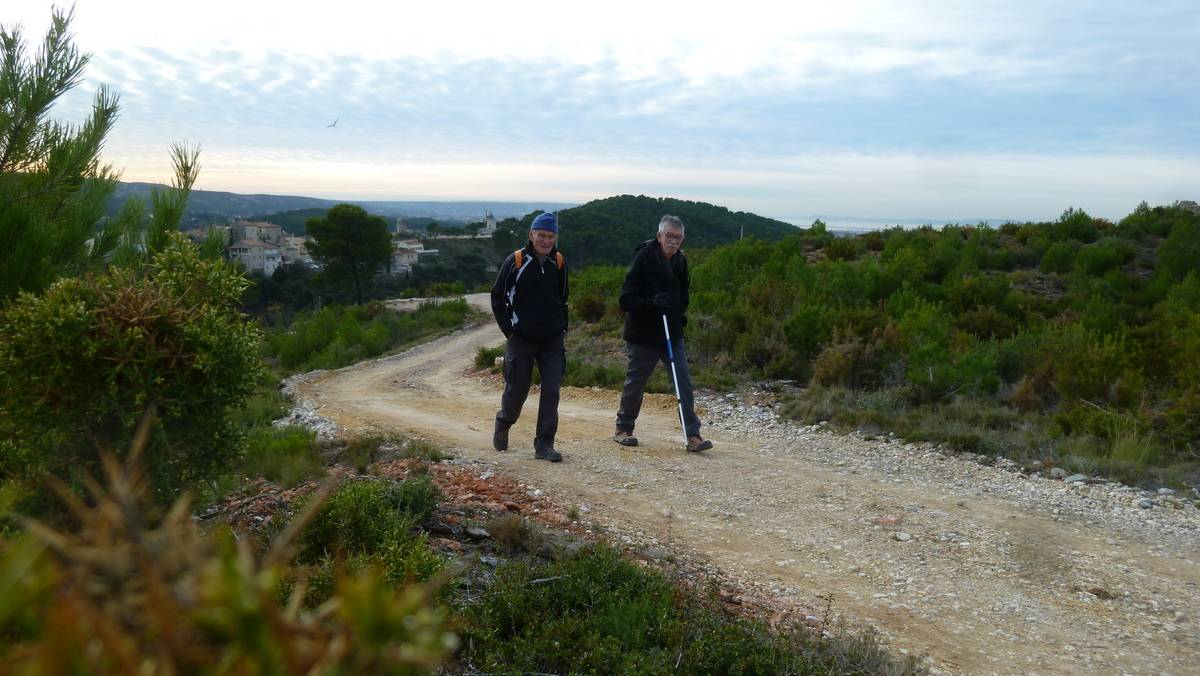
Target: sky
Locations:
point(855, 112)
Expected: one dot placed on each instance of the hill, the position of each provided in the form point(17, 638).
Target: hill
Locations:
point(207, 206)
point(607, 230)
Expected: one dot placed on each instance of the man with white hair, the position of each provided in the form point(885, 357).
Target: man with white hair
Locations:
point(656, 284)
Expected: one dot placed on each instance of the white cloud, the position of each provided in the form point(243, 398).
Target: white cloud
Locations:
point(799, 41)
point(938, 109)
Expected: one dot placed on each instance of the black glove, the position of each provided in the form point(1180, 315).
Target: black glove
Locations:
point(662, 301)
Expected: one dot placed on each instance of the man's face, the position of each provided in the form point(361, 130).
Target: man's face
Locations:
point(543, 241)
point(670, 239)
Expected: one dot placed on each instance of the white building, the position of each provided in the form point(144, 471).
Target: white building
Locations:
point(294, 249)
point(257, 232)
point(403, 255)
point(414, 244)
point(256, 256)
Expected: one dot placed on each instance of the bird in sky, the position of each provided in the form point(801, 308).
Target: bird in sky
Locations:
point(334, 123)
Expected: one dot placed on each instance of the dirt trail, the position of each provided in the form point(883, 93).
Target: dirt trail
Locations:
point(985, 583)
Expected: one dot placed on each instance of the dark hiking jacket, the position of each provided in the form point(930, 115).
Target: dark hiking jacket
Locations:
point(531, 301)
point(652, 273)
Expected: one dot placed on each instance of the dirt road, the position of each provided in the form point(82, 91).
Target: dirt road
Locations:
point(951, 563)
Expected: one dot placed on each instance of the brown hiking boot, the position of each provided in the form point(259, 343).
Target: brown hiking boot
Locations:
point(696, 444)
point(625, 437)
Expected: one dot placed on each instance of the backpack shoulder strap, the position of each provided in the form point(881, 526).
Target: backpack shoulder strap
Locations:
point(518, 257)
point(558, 257)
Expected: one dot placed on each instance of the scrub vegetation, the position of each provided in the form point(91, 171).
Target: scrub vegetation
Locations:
point(1071, 341)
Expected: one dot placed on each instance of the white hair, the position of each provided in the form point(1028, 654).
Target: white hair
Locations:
point(670, 221)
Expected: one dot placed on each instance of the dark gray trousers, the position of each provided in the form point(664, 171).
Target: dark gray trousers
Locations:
point(519, 357)
point(641, 364)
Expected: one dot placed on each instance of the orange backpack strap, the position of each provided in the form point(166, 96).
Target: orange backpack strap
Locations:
point(519, 259)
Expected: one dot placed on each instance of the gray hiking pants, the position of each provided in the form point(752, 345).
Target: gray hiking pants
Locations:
point(519, 357)
point(641, 364)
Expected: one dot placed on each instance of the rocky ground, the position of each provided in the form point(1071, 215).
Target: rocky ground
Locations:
point(980, 568)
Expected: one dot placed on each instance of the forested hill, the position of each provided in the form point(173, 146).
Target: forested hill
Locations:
point(606, 230)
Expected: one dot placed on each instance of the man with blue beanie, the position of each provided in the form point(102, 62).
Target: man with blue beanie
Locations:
point(529, 301)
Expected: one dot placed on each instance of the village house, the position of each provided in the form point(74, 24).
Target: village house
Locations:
point(256, 256)
point(255, 231)
point(403, 255)
point(293, 249)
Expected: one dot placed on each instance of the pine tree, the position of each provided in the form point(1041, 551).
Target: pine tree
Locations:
point(54, 189)
point(352, 244)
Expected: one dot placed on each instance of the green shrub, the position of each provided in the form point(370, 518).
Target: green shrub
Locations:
point(840, 365)
point(263, 406)
point(976, 291)
point(1097, 259)
point(361, 451)
point(368, 516)
point(842, 249)
point(591, 308)
point(597, 613)
point(485, 358)
point(287, 455)
point(593, 373)
point(1086, 365)
point(1076, 224)
point(1179, 253)
point(986, 323)
point(806, 331)
point(82, 362)
point(1059, 258)
point(337, 336)
point(199, 603)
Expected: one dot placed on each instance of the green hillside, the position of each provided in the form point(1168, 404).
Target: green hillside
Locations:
point(606, 230)
point(1072, 342)
point(291, 221)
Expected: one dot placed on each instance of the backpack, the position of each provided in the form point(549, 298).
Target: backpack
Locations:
point(519, 269)
point(519, 258)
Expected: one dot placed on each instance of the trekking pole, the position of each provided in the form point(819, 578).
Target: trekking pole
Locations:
point(675, 379)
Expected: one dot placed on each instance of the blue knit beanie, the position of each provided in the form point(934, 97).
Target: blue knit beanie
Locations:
point(545, 221)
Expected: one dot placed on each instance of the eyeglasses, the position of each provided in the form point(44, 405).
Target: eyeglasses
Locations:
point(673, 238)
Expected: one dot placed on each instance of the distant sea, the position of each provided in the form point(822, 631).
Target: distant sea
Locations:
point(858, 224)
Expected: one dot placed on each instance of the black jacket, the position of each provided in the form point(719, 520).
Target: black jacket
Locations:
point(652, 273)
point(531, 302)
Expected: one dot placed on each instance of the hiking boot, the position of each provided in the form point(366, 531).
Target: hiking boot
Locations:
point(625, 438)
point(547, 453)
point(500, 437)
point(696, 444)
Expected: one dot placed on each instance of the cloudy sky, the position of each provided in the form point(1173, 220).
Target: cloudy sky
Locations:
point(860, 112)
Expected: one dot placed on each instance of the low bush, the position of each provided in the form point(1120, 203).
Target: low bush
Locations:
point(1059, 257)
point(337, 336)
point(286, 455)
point(485, 358)
point(84, 361)
point(367, 524)
point(364, 515)
point(598, 613)
point(198, 604)
point(361, 451)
